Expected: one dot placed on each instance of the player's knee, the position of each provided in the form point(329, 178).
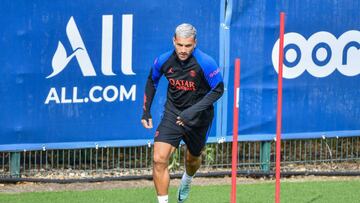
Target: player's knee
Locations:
point(160, 160)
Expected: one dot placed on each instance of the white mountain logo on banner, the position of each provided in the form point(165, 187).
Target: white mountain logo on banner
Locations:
point(61, 57)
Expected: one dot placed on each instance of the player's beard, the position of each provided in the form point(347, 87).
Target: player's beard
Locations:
point(183, 56)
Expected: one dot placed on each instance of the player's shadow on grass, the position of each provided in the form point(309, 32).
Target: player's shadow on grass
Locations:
point(315, 198)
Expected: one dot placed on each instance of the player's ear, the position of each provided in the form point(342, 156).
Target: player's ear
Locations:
point(174, 38)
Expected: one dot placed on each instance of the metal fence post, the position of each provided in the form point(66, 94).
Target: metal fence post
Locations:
point(265, 148)
point(15, 164)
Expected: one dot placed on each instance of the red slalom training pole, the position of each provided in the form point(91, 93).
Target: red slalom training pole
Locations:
point(235, 129)
point(279, 107)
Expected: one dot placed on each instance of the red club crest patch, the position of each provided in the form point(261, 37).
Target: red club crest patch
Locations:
point(171, 70)
point(192, 73)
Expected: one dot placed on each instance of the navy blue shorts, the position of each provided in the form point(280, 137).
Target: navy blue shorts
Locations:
point(194, 136)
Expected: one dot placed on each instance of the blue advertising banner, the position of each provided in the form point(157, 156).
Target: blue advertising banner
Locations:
point(73, 72)
point(321, 77)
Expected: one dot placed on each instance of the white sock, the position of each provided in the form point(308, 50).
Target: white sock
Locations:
point(163, 199)
point(186, 179)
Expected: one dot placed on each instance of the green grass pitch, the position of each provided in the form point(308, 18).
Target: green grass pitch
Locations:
point(309, 191)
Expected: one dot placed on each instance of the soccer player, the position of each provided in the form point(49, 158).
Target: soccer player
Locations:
point(195, 83)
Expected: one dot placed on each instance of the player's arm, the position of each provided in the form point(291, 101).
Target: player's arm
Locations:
point(150, 90)
point(215, 81)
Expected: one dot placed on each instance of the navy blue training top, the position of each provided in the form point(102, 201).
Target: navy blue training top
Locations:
point(194, 85)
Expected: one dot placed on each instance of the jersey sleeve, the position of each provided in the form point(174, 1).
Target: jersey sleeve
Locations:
point(212, 73)
point(150, 88)
point(152, 83)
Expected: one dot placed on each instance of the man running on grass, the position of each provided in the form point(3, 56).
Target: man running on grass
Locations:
point(195, 83)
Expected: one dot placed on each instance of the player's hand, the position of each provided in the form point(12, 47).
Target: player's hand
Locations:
point(147, 123)
point(179, 121)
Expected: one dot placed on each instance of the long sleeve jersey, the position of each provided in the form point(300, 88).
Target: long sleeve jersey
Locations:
point(194, 85)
